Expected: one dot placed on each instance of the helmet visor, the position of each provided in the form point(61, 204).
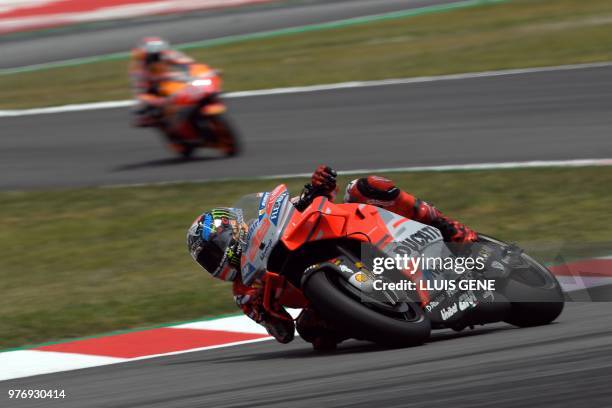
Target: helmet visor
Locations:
point(214, 250)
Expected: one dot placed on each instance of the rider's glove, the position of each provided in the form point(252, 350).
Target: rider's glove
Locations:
point(324, 181)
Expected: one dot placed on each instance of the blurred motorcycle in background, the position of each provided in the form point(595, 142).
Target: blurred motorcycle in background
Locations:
point(193, 116)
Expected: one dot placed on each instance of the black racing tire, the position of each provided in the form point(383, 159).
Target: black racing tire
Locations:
point(529, 314)
point(544, 287)
point(534, 314)
point(359, 321)
point(227, 137)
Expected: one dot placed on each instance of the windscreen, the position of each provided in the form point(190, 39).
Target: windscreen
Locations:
point(250, 205)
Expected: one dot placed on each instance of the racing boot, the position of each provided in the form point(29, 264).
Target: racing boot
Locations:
point(282, 329)
point(250, 301)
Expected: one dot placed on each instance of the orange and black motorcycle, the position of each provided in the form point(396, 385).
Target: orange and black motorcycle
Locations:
point(193, 115)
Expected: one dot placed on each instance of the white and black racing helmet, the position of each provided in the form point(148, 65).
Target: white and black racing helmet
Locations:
point(216, 240)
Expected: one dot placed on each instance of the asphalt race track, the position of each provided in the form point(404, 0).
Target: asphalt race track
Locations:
point(566, 364)
point(119, 36)
point(537, 116)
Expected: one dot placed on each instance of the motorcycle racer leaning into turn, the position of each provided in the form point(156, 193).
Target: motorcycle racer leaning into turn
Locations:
point(216, 242)
point(152, 64)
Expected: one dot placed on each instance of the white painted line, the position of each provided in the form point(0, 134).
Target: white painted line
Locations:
point(484, 166)
point(66, 108)
point(239, 324)
point(413, 169)
point(173, 353)
point(319, 88)
point(418, 80)
point(27, 363)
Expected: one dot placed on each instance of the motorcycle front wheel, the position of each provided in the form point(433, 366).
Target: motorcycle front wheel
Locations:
point(406, 326)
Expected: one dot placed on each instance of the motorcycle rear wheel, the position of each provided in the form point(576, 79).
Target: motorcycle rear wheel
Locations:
point(356, 319)
point(539, 283)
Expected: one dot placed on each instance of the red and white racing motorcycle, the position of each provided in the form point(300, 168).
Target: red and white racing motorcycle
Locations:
point(322, 258)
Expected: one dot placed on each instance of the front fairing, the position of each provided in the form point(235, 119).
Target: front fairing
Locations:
point(188, 85)
point(267, 214)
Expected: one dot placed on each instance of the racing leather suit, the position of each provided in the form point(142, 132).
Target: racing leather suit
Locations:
point(146, 84)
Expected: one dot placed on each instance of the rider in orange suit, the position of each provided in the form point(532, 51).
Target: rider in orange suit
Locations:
point(373, 190)
point(153, 63)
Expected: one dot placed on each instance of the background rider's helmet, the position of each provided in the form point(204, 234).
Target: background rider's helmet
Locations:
point(153, 49)
point(216, 240)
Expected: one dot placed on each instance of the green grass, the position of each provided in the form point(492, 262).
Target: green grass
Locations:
point(521, 33)
point(86, 261)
